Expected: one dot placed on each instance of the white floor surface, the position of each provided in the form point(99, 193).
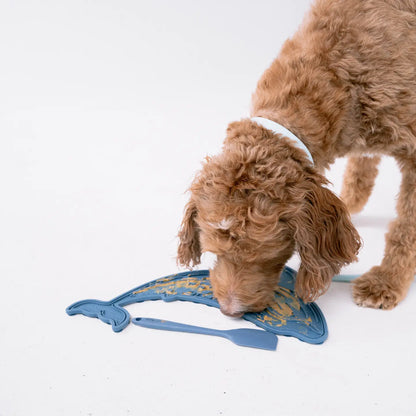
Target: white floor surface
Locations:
point(106, 110)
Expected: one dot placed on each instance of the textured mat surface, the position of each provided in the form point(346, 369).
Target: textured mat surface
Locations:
point(287, 316)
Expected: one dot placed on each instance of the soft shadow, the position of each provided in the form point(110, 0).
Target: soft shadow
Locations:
point(367, 221)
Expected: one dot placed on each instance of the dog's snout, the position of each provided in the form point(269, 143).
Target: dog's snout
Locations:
point(231, 307)
point(231, 313)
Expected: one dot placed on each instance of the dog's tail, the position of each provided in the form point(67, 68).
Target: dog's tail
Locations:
point(359, 178)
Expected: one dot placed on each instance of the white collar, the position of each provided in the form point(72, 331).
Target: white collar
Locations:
point(279, 129)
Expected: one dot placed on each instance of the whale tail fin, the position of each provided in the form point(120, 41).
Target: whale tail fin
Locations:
point(107, 312)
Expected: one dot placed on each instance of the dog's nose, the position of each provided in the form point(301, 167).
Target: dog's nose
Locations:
point(231, 313)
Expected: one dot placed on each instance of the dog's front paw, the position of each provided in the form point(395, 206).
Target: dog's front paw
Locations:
point(375, 289)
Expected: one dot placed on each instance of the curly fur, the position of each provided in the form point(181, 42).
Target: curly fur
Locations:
point(346, 85)
point(359, 178)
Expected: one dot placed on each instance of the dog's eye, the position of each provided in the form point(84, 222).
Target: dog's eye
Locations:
point(227, 236)
point(226, 233)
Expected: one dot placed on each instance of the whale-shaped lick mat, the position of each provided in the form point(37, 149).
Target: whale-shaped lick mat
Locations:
point(288, 315)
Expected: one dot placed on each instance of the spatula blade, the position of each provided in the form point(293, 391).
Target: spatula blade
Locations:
point(254, 338)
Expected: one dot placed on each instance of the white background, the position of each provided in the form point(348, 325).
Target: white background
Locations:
point(106, 110)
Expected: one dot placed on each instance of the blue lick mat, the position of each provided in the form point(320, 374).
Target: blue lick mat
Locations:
point(287, 316)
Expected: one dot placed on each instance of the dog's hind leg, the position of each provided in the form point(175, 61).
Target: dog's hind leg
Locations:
point(359, 177)
point(386, 285)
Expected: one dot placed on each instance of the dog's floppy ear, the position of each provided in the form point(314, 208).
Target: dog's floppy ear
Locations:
point(325, 238)
point(189, 250)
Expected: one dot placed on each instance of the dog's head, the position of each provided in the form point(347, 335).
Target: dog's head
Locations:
point(252, 205)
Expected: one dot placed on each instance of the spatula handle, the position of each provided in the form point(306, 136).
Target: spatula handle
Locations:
point(174, 326)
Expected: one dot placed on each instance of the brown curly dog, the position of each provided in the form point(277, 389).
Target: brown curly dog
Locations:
point(345, 84)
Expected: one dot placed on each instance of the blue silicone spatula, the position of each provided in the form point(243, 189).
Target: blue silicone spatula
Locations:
point(244, 337)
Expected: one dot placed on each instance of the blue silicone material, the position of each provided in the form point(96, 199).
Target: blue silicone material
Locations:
point(247, 337)
point(345, 278)
point(287, 316)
